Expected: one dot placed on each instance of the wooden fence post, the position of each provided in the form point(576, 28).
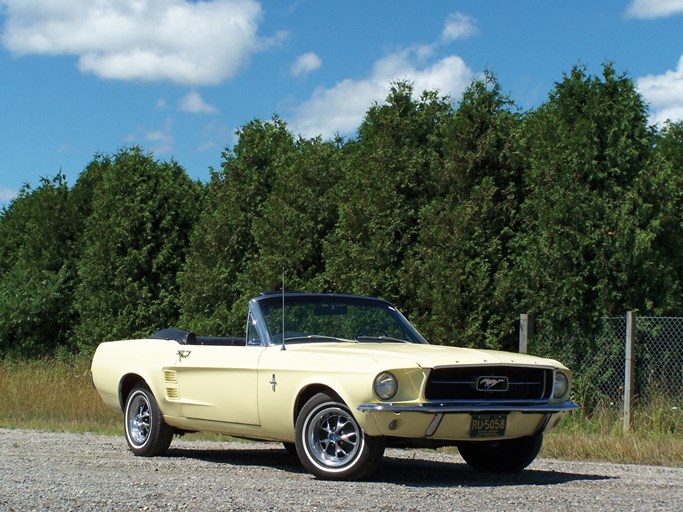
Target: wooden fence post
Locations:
point(628, 368)
point(526, 332)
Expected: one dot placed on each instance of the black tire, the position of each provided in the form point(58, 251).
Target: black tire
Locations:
point(330, 443)
point(507, 456)
point(291, 448)
point(147, 434)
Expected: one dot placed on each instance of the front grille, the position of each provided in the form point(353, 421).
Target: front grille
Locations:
point(467, 383)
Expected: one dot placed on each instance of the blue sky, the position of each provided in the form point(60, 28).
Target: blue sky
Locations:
point(178, 77)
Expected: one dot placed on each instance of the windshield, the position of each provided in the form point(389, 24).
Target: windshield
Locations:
point(315, 318)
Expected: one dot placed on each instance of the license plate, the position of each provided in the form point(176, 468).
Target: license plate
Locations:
point(488, 425)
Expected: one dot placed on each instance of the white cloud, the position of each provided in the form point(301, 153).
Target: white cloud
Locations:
point(664, 93)
point(181, 41)
point(193, 103)
point(159, 142)
point(216, 136)
point(6, 195)
point(340, 109)
point(649, 9)
point(306, 63)
point(458, 26)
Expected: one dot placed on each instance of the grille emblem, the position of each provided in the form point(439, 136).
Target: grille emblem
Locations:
point(492, 384)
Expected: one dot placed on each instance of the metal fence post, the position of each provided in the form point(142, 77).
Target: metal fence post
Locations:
point(526, 331)
point(628, 368)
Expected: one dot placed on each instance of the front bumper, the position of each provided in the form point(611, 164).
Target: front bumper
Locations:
point(475, 407)
point(452, 421)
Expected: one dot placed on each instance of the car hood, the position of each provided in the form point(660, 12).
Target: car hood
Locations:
point(406, 355)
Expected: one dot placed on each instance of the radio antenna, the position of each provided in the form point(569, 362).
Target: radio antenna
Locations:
point(283, 310)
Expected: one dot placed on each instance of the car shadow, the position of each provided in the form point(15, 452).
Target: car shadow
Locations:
point(413, 472)
point(428, 473)
point(268, 457)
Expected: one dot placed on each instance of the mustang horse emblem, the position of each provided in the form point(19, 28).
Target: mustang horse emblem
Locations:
point(492, 384)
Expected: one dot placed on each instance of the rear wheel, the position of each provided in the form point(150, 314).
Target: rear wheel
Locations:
point(506, 456)
point(331, 444)
point(147, 434)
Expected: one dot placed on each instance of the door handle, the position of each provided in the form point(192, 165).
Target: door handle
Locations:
point(184, 353)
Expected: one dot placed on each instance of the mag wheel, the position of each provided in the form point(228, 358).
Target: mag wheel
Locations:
point(331, 444)
point(505, 456)
point(147, 434)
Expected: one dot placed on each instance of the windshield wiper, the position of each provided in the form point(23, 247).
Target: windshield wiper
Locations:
point(382, 338)
point(320, 337)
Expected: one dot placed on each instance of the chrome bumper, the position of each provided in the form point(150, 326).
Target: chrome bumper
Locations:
point(475, 407)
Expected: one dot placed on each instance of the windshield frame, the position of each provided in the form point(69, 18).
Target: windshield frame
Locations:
point(260, 304)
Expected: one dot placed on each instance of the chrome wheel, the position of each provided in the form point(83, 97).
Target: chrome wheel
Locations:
point(147, 434)
point(139, 419)
point(334, 437)
point(331, 444)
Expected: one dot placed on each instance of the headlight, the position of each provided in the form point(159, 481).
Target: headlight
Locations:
point(561, 385)
point(386, 386)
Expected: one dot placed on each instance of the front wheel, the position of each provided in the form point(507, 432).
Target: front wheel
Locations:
point(147, 434)
point(331, 444)
point(506, 456)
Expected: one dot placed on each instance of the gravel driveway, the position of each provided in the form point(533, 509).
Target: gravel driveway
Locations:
point(57, 471)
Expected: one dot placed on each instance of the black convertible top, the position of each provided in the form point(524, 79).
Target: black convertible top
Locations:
point(182, 337)
point(189, 338)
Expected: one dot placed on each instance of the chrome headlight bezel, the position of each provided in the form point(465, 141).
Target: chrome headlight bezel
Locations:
point(385, 386)
point(561, 385)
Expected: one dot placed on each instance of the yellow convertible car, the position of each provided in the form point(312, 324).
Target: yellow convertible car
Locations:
point(336, 378)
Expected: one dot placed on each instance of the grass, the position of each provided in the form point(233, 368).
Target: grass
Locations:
point(656, 436)
point(619, 448)
point(57, 395)
point(53, 395)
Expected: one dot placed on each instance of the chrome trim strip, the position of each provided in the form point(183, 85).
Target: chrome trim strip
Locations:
point(508, 402)
point(470, 408)
point(543, 424)
point(434, 425)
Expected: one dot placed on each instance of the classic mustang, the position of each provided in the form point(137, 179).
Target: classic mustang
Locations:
point(336, 378)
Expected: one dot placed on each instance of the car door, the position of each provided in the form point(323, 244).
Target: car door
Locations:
point(218, 383)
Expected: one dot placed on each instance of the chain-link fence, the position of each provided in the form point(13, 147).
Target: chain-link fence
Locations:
point(598, 359)
point(659, 357)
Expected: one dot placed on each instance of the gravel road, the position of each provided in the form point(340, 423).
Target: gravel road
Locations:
point(57, 471)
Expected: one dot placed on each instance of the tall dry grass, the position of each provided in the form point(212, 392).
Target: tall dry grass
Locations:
point(655, 437)
point(619, 448)
point(53, 395)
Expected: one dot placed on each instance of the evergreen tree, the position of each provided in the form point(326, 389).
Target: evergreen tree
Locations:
point(591, 211)
point(382, 189)
point(300, 212)
point(466, 227)
point(36, 270)
point(223, 243)
point(133, 246)
point(667, 193)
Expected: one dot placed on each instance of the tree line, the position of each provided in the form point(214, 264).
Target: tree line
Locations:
point(465, 213)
